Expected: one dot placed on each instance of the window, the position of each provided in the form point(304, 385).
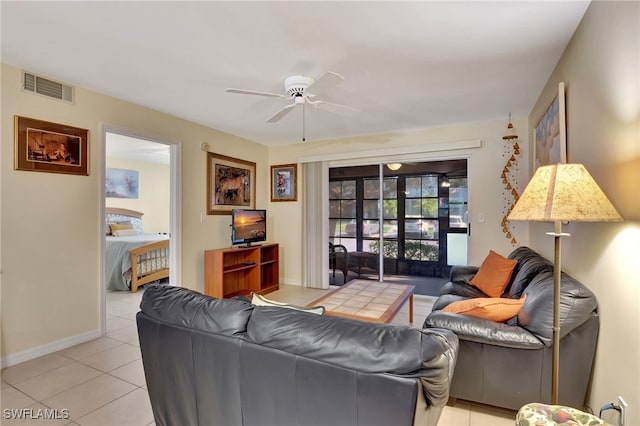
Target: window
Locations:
point(342, 213)
point(458, 203)
point(421, 218)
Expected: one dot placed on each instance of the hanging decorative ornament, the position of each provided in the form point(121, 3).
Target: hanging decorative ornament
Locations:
point(510, 195)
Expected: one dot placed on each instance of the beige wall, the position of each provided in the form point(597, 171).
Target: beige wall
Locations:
point(51, 222)
point(153, 193)
point(50, 238)
point(601, 72)
point(485, 184)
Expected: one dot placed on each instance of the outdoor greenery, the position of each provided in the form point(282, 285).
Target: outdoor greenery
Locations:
point(414, 250)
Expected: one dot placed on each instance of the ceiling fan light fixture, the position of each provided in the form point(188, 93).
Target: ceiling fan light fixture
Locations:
point(394, 166)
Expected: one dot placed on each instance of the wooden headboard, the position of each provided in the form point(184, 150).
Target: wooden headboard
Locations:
point(123, 212)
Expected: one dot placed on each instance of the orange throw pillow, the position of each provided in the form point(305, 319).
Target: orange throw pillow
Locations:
point(494, 274)
point(492, 308)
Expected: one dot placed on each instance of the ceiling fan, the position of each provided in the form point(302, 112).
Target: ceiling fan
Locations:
point(301, 90)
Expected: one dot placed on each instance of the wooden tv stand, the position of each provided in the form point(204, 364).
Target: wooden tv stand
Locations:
point(238, 271)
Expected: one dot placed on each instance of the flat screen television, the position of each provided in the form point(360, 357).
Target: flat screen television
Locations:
point(248, 226)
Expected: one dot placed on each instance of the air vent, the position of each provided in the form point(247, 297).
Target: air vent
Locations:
point(46, 87)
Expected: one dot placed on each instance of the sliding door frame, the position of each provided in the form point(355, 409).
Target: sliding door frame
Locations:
point(423, 153)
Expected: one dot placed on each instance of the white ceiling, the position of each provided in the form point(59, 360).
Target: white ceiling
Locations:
point(121, 146)
point(408, 65)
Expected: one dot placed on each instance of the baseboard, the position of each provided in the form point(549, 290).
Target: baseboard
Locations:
point(290, 281)
point(48, 348)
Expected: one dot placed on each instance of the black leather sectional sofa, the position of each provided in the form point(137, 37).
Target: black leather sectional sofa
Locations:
point(226, 362)
point(509, 364)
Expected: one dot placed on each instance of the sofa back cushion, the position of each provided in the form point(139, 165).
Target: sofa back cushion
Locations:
point(358, 345)
point(188, 308)
point(577, 304)
point(529, 265)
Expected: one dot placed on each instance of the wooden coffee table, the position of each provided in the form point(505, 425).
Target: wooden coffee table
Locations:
point(367, 301)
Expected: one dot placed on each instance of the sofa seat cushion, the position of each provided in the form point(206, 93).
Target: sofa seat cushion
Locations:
point(484, 331)
point(496, 309)
point(494, 274)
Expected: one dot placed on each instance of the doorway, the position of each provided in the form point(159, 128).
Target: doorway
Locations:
point(151, 166)
point(399, 222)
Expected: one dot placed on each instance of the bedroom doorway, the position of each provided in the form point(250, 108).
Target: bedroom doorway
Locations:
point(140, 175)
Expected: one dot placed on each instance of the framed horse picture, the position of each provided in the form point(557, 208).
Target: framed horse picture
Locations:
point(231, 183)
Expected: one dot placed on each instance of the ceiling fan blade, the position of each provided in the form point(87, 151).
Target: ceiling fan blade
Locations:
point(326, 82)
point(284, 111)
point(253, 92)
point(326, 104)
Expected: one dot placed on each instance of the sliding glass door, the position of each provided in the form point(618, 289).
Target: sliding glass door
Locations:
point(407, 214)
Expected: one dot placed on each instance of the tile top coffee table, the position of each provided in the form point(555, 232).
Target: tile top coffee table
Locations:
point(367, 301)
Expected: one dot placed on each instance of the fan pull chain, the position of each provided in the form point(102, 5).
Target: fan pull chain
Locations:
point(303, 116)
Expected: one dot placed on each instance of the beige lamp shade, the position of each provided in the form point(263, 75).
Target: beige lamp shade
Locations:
point(566, 193)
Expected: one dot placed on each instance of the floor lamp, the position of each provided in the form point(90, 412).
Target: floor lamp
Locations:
point(562, 193)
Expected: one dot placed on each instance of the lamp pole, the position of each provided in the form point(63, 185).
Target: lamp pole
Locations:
point(557, 273)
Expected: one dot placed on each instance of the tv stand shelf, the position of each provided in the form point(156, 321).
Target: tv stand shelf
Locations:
point(239, 271)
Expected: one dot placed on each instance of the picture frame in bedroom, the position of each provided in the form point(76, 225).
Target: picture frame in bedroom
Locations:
point(550, 133)
point(121, 183)
point(231, 183)
point(43, 146)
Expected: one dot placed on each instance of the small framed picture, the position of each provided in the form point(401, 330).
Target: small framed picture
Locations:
point(41, 146)
point(284, 182)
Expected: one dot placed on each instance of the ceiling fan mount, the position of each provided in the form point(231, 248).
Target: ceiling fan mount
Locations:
point(296, 85)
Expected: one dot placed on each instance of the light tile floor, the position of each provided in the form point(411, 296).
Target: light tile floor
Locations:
point(101, 382)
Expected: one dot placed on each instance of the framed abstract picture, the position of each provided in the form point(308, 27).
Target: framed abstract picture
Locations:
point(121, 183)
point(42, 146)
point(231, 183)
point(550, 134)
point(284, 185)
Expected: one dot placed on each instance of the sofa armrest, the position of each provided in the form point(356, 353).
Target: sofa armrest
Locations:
point(437, 372)
point(485, 331)
point(462, 289)
point(463, 274)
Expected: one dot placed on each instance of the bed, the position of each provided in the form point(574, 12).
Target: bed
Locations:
point(133, 258)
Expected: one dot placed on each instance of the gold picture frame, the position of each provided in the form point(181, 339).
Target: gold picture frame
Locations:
point(231, 183)
point(42, 146)
point(284, 182)
point(550, 134)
